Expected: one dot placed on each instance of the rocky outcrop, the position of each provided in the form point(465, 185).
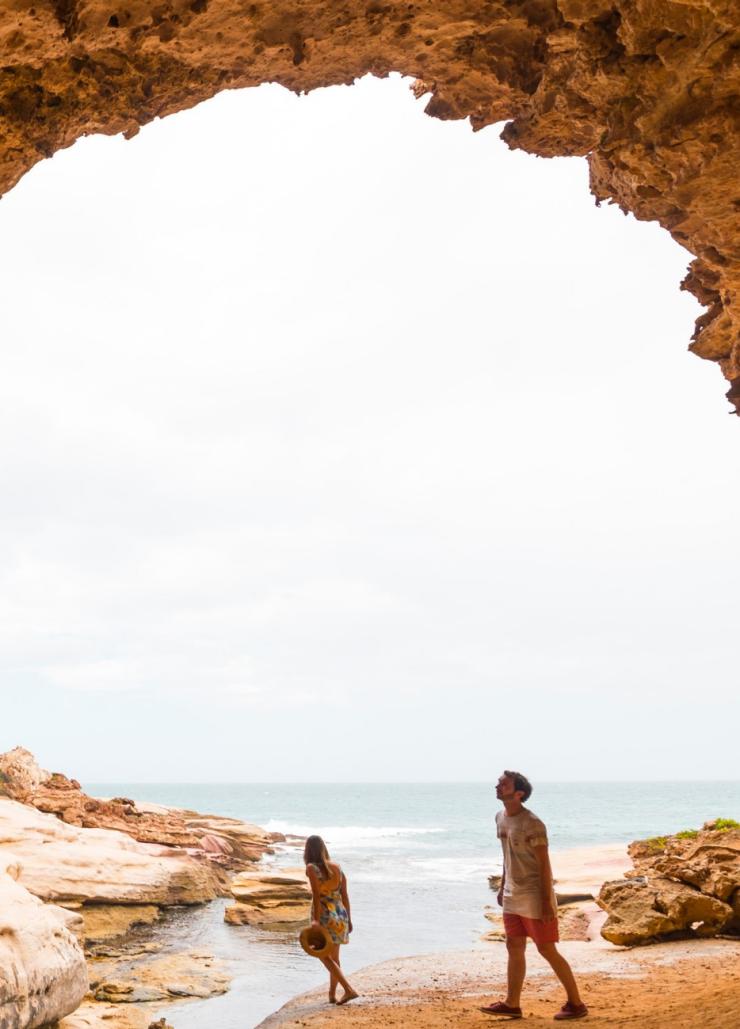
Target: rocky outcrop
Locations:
point(43, 976)
point(169, 978)
point(109, 882)
point(646, 89)
point(279, 901)
point(225, 841)
point(645, 912)
point(102, 868)
point(102, 923)
point(62, 863)
point(708, 860)
point(93, 1015)
point(682, 885)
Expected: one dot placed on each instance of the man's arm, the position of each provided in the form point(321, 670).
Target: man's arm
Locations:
point(500, 894)
point(543, 859)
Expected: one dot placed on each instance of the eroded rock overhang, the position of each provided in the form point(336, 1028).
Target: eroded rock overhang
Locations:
point(648, 90)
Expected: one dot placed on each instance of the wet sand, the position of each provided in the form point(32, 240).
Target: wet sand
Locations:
point(677, 985)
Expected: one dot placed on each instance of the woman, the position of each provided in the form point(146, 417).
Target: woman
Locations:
point(330, 910)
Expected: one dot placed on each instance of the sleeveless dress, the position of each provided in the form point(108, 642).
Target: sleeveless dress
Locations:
point(333, 915)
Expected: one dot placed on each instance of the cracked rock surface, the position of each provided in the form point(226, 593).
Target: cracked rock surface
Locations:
point(685, 885)
point(648, 90)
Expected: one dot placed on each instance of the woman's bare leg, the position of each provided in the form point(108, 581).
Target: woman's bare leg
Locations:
point(330, 966)
point(332, 980)
point(331, 962)
point(349, 993)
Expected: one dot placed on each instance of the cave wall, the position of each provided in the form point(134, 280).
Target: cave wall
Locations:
point(648, 90)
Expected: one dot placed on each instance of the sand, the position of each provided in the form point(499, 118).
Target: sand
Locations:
point(584, 869)
point(690, 984)
point(678, 985)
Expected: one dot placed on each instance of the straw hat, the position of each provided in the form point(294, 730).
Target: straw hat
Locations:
point(315, 941)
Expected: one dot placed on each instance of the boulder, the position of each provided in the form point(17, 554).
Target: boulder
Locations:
point(168, 978)
point(711, 862)
point(680, 885)
point(642, 911)
point(43, 976)
point(105, 922)
point(272, 901)
point(92, 1015)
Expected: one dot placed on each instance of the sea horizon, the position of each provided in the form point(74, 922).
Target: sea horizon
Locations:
point(94, 783)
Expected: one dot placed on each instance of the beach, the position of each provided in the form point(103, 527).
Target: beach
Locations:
point(678, 985)
point(164, 937)
point(418, 857)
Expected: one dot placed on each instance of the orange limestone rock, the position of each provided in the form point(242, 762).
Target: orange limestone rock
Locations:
point(42, 968)
point(227, 842)
point(683, 885)
point(280, 900)
point(646, 89)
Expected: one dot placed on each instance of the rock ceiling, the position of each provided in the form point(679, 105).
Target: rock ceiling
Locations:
point(648, 90)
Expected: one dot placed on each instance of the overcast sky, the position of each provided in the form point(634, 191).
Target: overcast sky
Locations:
point(340, 443)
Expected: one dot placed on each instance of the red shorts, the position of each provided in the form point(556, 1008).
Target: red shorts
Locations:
point(536, 928)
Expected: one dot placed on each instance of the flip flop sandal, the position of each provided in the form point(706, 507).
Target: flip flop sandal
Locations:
point(502, 1009)
point(569, 1010)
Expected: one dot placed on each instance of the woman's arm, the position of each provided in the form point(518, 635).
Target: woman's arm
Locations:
point(313, 878)
point(345, 899)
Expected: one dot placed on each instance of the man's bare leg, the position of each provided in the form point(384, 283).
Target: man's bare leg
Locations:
point(516, 947)
point(562, 970)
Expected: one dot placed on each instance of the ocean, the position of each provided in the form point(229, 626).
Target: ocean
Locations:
point(416, 855)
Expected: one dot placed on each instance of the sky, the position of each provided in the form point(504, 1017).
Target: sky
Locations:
point(338, 443)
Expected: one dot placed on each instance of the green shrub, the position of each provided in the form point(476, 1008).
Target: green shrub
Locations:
point(725, 824)
point(656, 843)
point(687, 834)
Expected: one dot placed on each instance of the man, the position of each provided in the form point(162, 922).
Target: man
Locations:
point(528, 899)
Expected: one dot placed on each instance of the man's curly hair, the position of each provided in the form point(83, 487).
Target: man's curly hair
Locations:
point(521, 782)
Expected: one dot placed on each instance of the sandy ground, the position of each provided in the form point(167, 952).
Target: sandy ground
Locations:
point(584, 869)
point(679, 985)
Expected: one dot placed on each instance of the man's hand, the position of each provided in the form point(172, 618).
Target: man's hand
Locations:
point(548, 914)
point(500, 897)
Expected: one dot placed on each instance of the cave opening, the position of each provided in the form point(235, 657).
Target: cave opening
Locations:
point(360, 401)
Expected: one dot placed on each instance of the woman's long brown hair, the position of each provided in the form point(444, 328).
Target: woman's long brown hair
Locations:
point(315, 853)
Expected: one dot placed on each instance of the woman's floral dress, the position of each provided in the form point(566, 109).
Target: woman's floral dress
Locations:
point(333, 916)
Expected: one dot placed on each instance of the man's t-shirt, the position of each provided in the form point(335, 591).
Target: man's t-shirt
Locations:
point(519, 835)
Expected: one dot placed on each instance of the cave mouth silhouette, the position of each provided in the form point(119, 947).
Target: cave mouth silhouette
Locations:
point(646, 93)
